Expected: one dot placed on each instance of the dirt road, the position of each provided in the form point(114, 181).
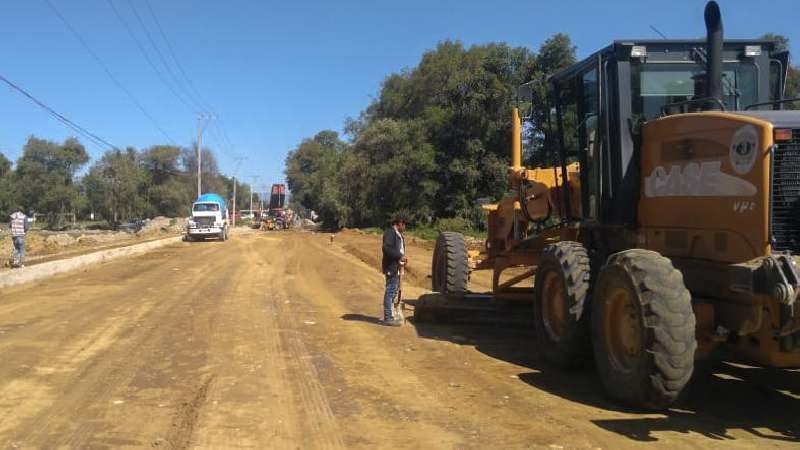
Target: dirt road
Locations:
point(272, 341)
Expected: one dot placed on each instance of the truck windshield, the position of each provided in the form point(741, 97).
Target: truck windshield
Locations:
point(656, 84)
point(205, 207)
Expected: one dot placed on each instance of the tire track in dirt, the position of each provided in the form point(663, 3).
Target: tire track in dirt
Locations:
point(248, 405)
point(356, 369)
point(62, 340)
point(182, 433)
point(455, 393)
point(107, 372)
point(308, 388)
point(267, 394)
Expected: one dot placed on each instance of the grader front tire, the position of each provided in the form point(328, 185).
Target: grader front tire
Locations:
point(561, 290)
point(643, 329)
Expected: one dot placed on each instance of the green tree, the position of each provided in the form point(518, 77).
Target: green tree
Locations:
point(45, 176)
point(162, 162)
point(436, 138)
point(210, 170)
point(312, 174)
point(114, 185)
point(168, 190)
point(7, 193)
point(391, 169)
point(462, 98)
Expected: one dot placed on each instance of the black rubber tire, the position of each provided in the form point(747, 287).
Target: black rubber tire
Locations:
point(450, 267)
point(664, 362)
point(569, 261)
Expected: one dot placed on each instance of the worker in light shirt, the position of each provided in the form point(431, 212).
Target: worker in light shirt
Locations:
point(19, 226)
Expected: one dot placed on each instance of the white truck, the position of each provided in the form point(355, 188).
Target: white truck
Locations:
point(210, 218)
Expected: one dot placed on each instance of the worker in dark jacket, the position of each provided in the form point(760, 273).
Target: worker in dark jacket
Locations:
point(394, 257)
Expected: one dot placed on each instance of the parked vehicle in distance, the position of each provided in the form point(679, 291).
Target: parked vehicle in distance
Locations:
point(132, 226)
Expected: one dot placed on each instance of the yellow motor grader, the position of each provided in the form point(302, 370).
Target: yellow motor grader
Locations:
point(669, 224)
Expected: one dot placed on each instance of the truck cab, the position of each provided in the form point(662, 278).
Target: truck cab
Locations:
point(209, 218)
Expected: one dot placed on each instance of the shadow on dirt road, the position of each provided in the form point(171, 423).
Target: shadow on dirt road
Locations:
point(362, 318)
point(761, 401)
point(724, 397)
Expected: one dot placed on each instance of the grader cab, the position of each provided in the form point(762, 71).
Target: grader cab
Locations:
point(670, 224)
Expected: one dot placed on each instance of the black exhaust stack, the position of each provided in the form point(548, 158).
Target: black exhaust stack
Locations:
point(713, 53)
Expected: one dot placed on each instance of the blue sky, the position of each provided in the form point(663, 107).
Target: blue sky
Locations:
point(276, 72)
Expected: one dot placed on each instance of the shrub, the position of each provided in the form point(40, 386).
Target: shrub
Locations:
point(457, 224)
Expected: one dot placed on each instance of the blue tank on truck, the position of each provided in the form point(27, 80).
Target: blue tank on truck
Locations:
point(209, 218)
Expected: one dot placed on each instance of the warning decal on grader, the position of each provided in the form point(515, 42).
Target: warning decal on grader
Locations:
point(743, 149)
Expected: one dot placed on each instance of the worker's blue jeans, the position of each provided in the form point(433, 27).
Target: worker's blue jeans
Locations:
point(392, 283)
point(19, 250)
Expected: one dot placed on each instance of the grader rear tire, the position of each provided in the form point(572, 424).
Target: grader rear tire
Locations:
point(643, 329)
point(561, 290)
point(450, 268)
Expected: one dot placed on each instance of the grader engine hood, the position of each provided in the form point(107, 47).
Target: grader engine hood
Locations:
point(719, 186)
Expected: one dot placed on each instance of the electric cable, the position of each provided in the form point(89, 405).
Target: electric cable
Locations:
point(108, 72)
point(60, 117)
point(148, 59)
point(160, 54)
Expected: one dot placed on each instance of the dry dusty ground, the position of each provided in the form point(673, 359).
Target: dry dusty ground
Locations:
point(272, 341)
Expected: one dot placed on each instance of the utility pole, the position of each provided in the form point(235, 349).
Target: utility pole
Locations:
point(234, 200)
point(200, 128)
point(239, 160)
point(252, 190)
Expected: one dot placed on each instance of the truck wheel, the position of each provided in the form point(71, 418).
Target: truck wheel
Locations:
point(450, 268)
point(643, 329)
point(561, 317)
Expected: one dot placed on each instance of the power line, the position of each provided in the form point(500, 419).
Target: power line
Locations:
point(214, 132)
point(199, 98)
point(160, 54)
point(147, 57)
point(663, 36)
point(60, 117)
point(225, 134)
point(108, 71)
point(178, 64)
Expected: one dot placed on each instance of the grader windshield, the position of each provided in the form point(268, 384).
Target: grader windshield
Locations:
point(654, 86)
